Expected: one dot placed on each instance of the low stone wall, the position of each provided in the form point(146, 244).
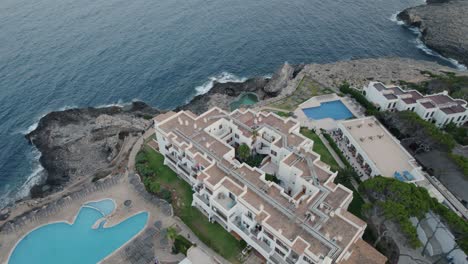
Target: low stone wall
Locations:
point(37, 214)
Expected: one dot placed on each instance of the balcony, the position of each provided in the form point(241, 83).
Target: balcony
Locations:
point(203, 199)
point(277, 259)
point(238, 224)
point(171, 158)
point(262, 244)
point(184, 169)
point(225, 201)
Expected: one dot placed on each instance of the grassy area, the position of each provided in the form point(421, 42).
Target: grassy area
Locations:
point(212, 234)
point(344, 175)
point(307, 88)
point(321, 149)
point(282, 114)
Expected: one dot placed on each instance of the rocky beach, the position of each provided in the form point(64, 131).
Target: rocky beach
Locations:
point(443, 25)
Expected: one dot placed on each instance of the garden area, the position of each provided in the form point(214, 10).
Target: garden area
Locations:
point(162, 181)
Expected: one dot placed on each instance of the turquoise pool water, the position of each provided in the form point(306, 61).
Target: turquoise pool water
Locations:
point(333, 109)
point(59, 243)
point(245, 99)
point(104, 206)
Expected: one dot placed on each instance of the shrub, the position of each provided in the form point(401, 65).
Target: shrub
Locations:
point(166, 195)
point(273, 178)
point(181, 245)
point(360, 98)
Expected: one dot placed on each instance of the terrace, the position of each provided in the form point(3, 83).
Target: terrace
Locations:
point(226, 201)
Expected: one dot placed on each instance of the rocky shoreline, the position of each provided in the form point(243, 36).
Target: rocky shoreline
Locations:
point(443, 25)
point(82, 145)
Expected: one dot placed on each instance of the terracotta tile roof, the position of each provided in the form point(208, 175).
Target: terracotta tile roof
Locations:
point(363, 253)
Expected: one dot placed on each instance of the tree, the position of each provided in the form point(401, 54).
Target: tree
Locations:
point(399, 201)
point(244, 152)
point(171, 234)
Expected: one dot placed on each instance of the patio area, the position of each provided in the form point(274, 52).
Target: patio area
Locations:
point(326, 123)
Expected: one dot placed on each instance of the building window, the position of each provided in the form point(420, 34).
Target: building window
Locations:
point(273, 153)
point(458, 119)
point(249, 215)
point(389, 105)
point(308, 260)
point(279, 252)
point(236, 136)
point(220, 126)
point(268, 235)
point(281, 244)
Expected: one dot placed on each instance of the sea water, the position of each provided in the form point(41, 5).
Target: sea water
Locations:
point(57, 54)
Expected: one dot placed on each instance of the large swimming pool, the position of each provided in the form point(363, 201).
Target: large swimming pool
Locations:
point(333, 109)
point(79, 242)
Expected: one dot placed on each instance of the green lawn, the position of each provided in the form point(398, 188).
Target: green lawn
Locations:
point(321, 149)
point(282, 114)
point(212, 234)
point(344, 175)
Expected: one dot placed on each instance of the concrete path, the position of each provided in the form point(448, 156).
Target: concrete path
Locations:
point(187, 233)
point(332, 151)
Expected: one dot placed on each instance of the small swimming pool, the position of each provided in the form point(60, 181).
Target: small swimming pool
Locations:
point(244, 99)
point(79, 242)
point(333, 109)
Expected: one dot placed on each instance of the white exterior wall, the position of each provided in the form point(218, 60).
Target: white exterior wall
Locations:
point(374, 96)
point(422, 111)
point(443, 119)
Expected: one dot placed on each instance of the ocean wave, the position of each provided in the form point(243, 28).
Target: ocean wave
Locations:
point(420, 45)
point(37, 175)
point(394, 18)
point(33, 126)
point(223, 77)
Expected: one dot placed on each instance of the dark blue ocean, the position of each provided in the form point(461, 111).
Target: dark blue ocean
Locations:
point(56, 54)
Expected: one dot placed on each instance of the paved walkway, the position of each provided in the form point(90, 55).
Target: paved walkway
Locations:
point(187, 233)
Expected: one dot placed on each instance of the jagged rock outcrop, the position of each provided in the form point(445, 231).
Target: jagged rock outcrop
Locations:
point(443, 25)
point(83, 142)
point(222, 94)
point(279, 80)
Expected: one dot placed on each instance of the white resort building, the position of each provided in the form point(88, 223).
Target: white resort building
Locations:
point(304, 219)
point(440, 109)
point(376, 151)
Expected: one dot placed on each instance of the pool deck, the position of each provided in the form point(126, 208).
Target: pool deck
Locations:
point(122, 187)
point(326, 123)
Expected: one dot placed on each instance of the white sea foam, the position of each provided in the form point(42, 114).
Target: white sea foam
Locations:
point(36, 176)
point(32, 127)
point(420, 45)
point(394, 18)
point(224, 77)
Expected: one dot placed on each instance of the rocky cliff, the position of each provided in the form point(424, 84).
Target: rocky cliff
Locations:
point(443, 25)
point(82, 143)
